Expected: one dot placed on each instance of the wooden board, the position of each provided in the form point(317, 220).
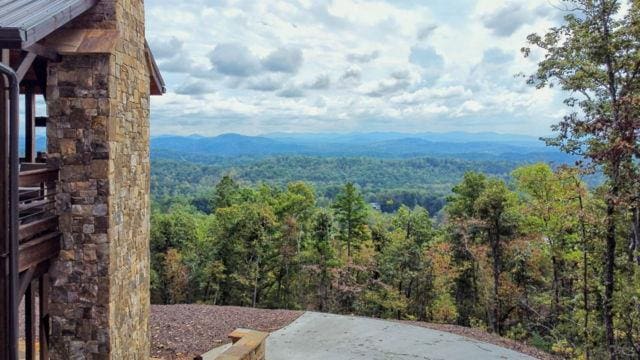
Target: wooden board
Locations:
point(73, 41)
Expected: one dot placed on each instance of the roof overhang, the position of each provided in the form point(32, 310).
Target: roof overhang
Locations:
point(35, 26)
point(25, 22)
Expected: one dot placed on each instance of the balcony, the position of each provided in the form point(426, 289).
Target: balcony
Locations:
point(38, 233)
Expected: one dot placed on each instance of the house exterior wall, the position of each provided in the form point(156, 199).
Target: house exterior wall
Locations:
point(98, 134)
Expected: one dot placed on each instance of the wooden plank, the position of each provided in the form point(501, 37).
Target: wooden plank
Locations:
point(25, 280)
point(43, 51)
point(25, 65)
point(79, 41)
point(32, 166)
point(214, 353)
point(156, 83)
point(30, 322)
point(38, 250)
point(43, 285)
point(36, 177)
point(247, 345)
point(48, 224)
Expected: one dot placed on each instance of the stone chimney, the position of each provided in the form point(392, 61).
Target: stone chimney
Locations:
point(98, 134)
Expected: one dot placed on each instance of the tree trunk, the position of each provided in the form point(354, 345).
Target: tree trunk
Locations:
point(585, 278)
point(609, 281)
point(556, 290)
point(495, 249)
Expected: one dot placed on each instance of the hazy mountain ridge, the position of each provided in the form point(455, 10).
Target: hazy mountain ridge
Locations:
point(480, 146)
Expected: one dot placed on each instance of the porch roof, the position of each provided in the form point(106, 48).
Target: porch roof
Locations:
point(24, 25)
point(24, 22)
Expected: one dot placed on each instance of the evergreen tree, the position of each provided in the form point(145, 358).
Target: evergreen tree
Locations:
point(351, 213)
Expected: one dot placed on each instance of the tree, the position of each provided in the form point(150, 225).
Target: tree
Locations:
point(351, 213)
point(594, 56)
point(463, 233)
point(244, 231)
point(323, 257)
point(226, 193)
point(494, 209)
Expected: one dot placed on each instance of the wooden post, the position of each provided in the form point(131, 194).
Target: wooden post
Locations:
point(4, 213)
point(30, 126)
point(30, 322)
point(44, 316)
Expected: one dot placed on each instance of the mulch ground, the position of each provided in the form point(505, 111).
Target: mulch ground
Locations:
point(180, 332)
point(185, 331)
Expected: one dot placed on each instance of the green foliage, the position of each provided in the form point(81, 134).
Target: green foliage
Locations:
point(522, 261)
point(351, 214)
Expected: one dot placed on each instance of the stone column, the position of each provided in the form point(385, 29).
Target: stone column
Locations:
point(98, 134)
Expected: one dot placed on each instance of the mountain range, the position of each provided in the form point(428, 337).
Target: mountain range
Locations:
point(470, 146)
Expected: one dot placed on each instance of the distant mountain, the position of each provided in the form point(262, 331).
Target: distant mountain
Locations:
point(223, 145)
point(454, 137)
point(471, 146)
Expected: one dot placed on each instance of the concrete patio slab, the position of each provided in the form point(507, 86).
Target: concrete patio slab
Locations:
point(317, 336)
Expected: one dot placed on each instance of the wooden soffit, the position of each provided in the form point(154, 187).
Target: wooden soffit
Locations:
point(77, 42)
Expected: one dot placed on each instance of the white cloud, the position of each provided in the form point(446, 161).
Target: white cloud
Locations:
point(347, 65)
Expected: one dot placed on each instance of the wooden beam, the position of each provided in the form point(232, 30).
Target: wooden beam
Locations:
point(33, 178)
point(48, 224)
point(82, 41)
point(25, 280)
point(30, 322)
point(25, 65)
point(39, 250)
point(43, 285)
point(43, 51)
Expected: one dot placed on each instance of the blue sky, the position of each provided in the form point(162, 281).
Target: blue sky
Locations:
point(256, 67)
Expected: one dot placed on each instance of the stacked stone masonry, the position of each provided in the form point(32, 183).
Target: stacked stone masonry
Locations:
point(98, 134)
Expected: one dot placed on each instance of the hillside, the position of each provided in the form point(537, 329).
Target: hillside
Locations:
point(482, 146)
point(390, 168)
point(417, 181)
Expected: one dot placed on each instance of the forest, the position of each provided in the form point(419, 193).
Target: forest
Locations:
point(536, 253)
point(423, 181)
point(520, 258)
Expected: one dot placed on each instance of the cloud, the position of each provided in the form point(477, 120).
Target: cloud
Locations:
point(291, 92)
point(322, 82)
point(165, 48)
point(348, 65)
point(424, 95)
point(401, 74)
point(352, 74)
point(506, 20)
point(386, 87)
point(425, 32)
point(265, 83)
point(235, 60)
point(363, 58)
point(171, 55)
point(196, 87)
point(286, 60)
point(426, 57)
point(496, 56)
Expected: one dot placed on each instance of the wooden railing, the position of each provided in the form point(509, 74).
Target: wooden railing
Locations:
point(247, 345)
point(39, 242)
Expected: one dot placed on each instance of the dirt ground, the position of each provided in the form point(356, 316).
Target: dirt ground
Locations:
point(184, 331)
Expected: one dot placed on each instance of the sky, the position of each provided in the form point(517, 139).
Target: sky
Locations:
point(258, 67)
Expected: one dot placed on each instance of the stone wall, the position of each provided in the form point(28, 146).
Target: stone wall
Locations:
point(129, 181)
point(98, 134)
